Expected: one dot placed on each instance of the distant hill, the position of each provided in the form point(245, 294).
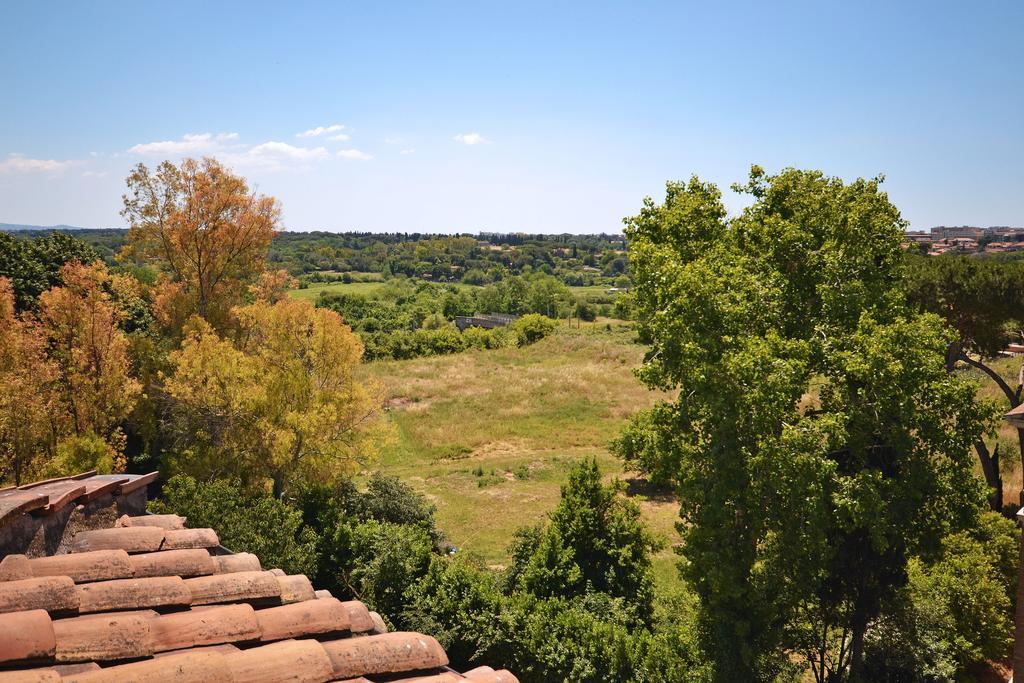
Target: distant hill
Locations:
point(20, 227)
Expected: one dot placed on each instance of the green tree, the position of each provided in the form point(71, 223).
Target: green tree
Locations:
point(34, 265)
point(983, 301)
point(595, 541)
point(819, 440)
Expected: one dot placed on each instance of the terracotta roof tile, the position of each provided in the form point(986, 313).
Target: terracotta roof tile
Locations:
point(378, 623)
point(137, 539)
point(219, 649)
point(226, 624)
point(312, 617)
point(384, 654)
point(485, 674)
point(162, 521)
point(30, 676)
point(58, 493)
point(51, 593)
point(14, 502)
point(129, 594)
point(14, 567)
point(177, 539)
point(185, 563)
point(239, 562)
point(26, 636)
point(235, 587)
point(302, 661)
point(97, 486)
point(126, 483)
point(103, 638)
point(96, 565)
point(186, 667)
point(149, 589)
point(358, 616)
point(295, 588)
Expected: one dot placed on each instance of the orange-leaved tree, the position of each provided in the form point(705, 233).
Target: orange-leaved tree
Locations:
point(205, 230)
point(279, 402)
point(27, 377)
point(94, 388)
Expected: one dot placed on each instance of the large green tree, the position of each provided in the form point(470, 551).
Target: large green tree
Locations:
point(817, 439)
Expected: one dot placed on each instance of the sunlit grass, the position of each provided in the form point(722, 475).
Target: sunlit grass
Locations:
point(489, 436)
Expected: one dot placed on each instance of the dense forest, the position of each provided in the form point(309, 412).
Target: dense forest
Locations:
point(842, 514)
point(576, 260)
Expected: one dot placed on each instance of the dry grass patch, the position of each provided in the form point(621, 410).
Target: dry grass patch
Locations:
point(489, 436)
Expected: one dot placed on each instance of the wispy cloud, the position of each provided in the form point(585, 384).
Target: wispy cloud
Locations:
point(407, 151)
point(270, 155)
point(19, 163)
point(471, 139)
point(283, 149)
point(393, 140)
point(94, 174)
point(320, 130)
point(191, 143)
point(276, 156)
point(340, 137)
point(354, 154)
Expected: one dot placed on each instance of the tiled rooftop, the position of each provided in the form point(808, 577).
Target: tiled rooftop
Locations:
point(149, 599)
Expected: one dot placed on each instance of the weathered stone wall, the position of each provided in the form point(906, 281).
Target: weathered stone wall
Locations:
point(37, 535)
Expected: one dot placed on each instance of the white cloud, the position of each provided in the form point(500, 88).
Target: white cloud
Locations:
point(272, 155)
point(190, 143)
point(94, 174)
point(340, 137)
point(320, 130)
point(19, 163)
point(354, 154)
point(393, 141)
point(471, 139)
point(407, 151)
point(276, 149)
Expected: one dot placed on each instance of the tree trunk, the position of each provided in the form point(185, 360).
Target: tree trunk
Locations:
point(860, 626)
point(990, 468)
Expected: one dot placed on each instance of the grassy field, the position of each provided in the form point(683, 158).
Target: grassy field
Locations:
point(368, 289)
point(489, 436)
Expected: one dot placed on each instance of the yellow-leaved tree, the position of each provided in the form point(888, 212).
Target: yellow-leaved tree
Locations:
point(27, 377)
point(279, 403)
point(94, 390)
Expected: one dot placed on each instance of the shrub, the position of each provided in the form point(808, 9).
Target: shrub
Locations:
point(532, 327)
point(386, 559)
point(954, 612)
point(83, 453)
point(265, 526)
point(585, 311)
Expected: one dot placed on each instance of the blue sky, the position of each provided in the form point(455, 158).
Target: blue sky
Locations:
point(539, 117)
